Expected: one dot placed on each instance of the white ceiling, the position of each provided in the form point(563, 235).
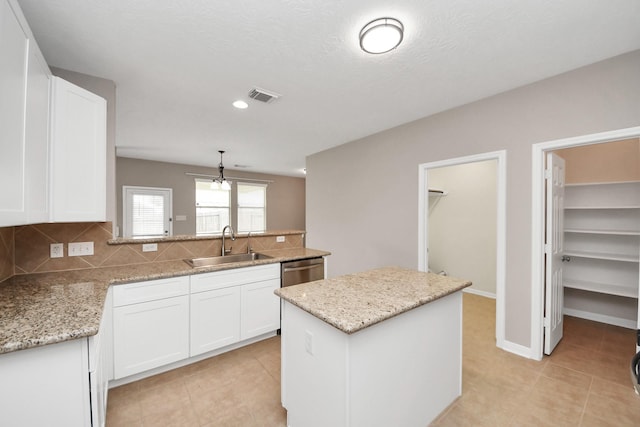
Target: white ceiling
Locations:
point(178, 66)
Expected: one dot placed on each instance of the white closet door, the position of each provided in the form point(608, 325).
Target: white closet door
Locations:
point(554, 248)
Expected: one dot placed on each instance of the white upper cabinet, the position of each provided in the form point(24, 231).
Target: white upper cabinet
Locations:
point(14, 52)
point(25, 81)
point(52, 134)
point(78, 154)
point(37, 137)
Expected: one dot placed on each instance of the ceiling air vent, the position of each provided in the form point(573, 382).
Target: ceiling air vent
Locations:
point(263, 95)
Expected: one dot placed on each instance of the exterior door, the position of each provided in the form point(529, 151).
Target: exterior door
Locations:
point(554, 247)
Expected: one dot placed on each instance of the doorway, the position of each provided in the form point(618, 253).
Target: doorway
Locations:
point(499, 157)
point(539, 152)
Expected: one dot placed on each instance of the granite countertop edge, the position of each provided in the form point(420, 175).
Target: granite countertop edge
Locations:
point(191, 237)
point(357, 309)
point(47, 308)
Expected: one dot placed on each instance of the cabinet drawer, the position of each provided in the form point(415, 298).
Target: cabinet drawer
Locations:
point(234, 277)
point(134, 293)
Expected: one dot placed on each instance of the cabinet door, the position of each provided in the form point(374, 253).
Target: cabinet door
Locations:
point(78, 154)
point(14, 50)
point(260, 311)
point(46, 386)
point(37, 138)
point(150, 334)
point(215, 319)
point(100, 364)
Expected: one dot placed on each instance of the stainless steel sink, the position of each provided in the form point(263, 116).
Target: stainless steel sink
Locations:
point(218, 260)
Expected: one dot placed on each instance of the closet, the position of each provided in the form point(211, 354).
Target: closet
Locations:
point(601, 276)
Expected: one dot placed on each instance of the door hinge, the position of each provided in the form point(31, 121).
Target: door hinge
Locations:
point(547, 174)
point(547, 248)
point(546, 322)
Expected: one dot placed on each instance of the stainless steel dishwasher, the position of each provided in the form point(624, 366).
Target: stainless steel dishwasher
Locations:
point(302, 271)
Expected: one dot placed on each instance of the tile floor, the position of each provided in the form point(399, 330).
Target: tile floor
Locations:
point(239, 388)
point(585, 382)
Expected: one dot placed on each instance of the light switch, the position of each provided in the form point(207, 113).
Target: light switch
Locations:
point(280, 239)
point(150, 247)
point(80, 248)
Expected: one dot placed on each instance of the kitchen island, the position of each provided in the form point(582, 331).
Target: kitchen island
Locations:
point(378, 348)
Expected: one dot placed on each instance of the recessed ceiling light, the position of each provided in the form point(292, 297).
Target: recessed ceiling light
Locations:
point(240, 104)
point(381, 35)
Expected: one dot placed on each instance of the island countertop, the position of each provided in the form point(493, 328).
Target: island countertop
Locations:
point(47, 308)
point(353, 302)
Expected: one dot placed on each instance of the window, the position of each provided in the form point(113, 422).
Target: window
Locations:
point(146, 211)
point(252, 201)
point(212, 208)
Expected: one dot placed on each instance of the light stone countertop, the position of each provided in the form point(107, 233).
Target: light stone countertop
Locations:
point(191, 237)
point(47, 308)
point(353, 302)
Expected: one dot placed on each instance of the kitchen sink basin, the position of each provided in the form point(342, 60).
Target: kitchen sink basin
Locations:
point(218, 260)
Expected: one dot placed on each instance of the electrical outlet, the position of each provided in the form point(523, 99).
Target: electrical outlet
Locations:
point(280, 239)
point(80, 248)
point(150, 247)
point(308, 342)
point(56, 250)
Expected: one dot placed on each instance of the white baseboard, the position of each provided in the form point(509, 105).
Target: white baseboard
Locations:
point(519, 350)
point(478, 292)
point(616, 321)
point(179, 364)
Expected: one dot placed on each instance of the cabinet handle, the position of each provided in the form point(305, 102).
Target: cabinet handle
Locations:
point(566, 258)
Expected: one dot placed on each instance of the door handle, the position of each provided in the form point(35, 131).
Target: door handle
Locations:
point(566, 258)
point(306, 267)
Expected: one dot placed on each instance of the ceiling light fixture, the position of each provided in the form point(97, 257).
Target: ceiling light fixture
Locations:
point(381, 35)
point(220, 181)
point(239, 104)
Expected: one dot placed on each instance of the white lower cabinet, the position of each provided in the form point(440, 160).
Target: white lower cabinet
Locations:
point(260, 311)
point(151, 325)
point(233, 305)
point(63, 384)
point(100, 365)
point(160, 322)
point(46, 386)
point(214, 319)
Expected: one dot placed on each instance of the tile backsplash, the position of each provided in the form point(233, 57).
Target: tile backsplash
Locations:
point(26, 249)
point(7, 254)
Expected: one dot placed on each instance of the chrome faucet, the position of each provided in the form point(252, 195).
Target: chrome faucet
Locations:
point(249, 243)
point(233, 237)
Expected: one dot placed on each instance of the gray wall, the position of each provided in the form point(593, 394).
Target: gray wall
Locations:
point(285, 196)
point(362, 197)
point(462, 224)
point(106, 89)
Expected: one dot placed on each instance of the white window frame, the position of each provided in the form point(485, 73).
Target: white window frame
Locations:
point(238, 207)
point(229, 207)
point(127, 193)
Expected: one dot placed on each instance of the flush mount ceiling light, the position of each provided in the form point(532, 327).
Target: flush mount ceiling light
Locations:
point(381, 35)
point(239, 104)
point(221, 181)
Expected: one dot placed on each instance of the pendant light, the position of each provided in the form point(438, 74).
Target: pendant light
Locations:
point(221, 181)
